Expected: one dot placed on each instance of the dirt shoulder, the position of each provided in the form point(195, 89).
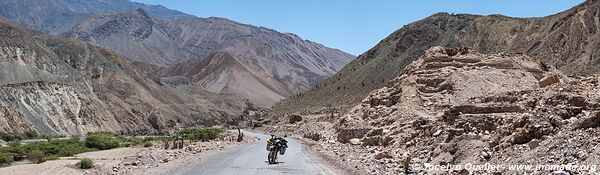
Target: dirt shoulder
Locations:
point(328, 163)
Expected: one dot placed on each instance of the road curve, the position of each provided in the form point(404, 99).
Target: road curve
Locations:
point(251, 159)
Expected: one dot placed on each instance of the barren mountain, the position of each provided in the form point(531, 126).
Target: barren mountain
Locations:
point(55, 85)
point(458, 107)
point(283, 62)
point(58, 16)
point(567, 40)
point(223, 73)
point(133, 34)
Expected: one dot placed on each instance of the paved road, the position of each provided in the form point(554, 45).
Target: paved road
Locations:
point(251, 159)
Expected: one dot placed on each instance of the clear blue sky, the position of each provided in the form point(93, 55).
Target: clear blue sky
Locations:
point(353, 26)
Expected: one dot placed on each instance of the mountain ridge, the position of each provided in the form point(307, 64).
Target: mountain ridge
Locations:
point(295, 64)
point(58, 16)
point(564, 40)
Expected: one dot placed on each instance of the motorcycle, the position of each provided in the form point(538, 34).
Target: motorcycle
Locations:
point(277, 145)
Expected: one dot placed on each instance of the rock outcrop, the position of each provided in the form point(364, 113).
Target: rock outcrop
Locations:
point(455, 106)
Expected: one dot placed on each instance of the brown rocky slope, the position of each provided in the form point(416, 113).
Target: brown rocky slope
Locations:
point(286, 63)
point(223, 73)
point(62, 86)
point(455, 107)
point(295, 64)
point(567, 40)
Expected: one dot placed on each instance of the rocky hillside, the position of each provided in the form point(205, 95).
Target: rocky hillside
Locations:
point(567, 40)
point(58, 16)
point(133, 34)
point(224, 73)
point(288, 64)
point(458, 107)
point(55, 85)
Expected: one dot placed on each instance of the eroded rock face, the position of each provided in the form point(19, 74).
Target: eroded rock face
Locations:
point(60, 86)
point(457, 106)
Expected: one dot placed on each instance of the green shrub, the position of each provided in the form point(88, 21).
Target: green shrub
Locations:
point(14, 143)
point(85, 163)
point(102, 141)
point(200, 134)
point(148, 139)
point(18, 136)
point(8, 136)
point(6, 159)
point(134, 141)
point(31, 134)
point(36, 156)
point(148, 144)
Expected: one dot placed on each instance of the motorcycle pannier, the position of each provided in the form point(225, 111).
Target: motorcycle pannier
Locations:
point(282, 150)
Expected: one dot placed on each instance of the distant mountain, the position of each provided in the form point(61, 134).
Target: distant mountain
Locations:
point(568, 40)
point(291, 65)
point(58, 16)
point(154, 36)
point(224, 73)
point(55, 85)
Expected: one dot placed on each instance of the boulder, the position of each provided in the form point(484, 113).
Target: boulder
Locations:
point(382, 154)
point(577, 101)
point(590, 121)
point(486, 155)
point(354, 141)
point(533, 143)
point(295, 118)
point(549, 80)
point(345, 135)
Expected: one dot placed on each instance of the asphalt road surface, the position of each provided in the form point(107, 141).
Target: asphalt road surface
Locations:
point(251, 159)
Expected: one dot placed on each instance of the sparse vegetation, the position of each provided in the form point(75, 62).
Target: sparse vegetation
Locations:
point(16, 137)
point(38, 152)
point(196, 134)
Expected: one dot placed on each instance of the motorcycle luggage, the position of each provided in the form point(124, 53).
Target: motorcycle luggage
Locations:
point(282, 150)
